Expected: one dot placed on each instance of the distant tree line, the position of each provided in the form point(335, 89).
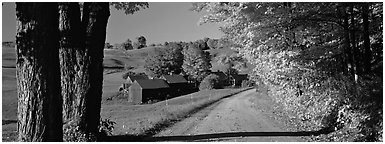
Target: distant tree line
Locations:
point(140, 42)
point(191, 59)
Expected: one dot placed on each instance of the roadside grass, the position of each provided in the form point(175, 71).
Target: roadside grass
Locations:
point(147, 120)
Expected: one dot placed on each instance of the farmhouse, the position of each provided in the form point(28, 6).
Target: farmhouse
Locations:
point(178, 84)
point(142, 91)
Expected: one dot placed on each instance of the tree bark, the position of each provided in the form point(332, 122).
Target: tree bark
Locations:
point(368, 53)
point(74, 64)
point(353, 41)
point(348, 48)
point(37, 72)
point(95, 18)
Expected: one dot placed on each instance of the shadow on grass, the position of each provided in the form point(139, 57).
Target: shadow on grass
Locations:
point(128, 138)
point(8, 121)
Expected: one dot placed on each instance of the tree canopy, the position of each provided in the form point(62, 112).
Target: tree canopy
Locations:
point(165, 61)
point(305, 50)
point(196, 62)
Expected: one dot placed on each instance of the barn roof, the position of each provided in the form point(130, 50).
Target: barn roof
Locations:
point(175, 79)
point(137, 77)
point(220, 74)
point(152, 83)
point(239, 76)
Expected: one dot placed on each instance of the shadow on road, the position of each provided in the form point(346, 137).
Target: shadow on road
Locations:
point(213, 136)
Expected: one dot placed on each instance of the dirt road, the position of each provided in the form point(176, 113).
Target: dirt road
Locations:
point(237, 118)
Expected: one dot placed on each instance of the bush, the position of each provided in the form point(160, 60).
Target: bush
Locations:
point(125, 75)
point(247, 83)
point(350, 111)
point(105, 128)
point(212, 81)
point(72, 132)
point(127, 45)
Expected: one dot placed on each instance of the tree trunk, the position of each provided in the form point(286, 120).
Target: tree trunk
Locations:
point(95, 18)
point(353, 40)
point(368, 53)
point(37, 72)
point(348, 48)
point(74, 64)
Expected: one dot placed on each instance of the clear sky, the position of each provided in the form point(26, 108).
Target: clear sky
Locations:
point(162, 21)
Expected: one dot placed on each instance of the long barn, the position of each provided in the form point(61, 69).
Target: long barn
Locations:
point(178, 84)
point(141, 91)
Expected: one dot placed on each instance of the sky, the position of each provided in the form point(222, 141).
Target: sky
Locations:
point(161, 22)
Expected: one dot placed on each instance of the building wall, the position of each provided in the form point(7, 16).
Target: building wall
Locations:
point(178, 89)
point(154, 94)
point(135, 93)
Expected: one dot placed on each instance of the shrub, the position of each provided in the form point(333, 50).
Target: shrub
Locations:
point(72, 132)
point(105, 128)
point(108, 46)
point(128, 73)
point(247, 83)
point(351, 111)
point(212, 81)
point(127, 45)
point(139, 43)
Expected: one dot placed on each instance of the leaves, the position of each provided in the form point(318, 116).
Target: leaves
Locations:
point(196, 62)
point(130, 7)
point(299, 50)
point(165, 61)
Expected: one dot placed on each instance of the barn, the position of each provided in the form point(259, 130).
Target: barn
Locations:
point(178, 84)
point(236, 79)
point(131, 78)
point(141, 91)
point(222, 76)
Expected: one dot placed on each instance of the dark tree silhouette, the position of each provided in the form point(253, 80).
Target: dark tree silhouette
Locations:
point(43, 29)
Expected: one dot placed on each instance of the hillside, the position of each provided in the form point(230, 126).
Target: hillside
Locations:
point(114, 58)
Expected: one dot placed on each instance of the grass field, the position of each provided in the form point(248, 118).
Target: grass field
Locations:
point(150, 118)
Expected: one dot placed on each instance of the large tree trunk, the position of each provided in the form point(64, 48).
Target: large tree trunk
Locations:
point(368, 53)
point(74, 64)
point(37, 72)
point(95, 18)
